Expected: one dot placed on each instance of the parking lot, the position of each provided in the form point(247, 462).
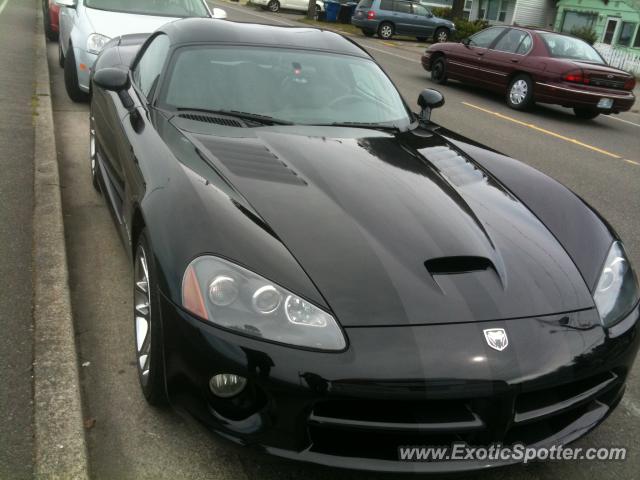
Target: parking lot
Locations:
point(599, 159)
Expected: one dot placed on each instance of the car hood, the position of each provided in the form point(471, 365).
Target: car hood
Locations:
point(114, 24)
point(397, 229)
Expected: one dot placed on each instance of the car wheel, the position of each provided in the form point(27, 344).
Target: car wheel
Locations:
point(147, 329)
point(441, 35)
point(367, 33)
point(93, 153)
point(586, 113)
point(439, 71)
point(520, 92)
point(385, 30)
point(71, 78)
point(60, 56)
point(273, 6)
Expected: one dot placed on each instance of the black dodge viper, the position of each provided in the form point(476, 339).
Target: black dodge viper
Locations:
point(322, 274)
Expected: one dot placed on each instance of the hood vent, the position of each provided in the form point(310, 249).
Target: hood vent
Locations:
point(455, 167)
point(252, 160)
point(227, 122)
point(453, 265)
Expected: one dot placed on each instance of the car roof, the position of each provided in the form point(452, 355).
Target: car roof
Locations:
point(208, 30)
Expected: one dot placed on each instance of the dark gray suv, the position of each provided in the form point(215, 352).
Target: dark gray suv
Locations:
point(401, 17)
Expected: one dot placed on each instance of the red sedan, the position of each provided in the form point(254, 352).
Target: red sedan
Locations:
point(534, 66)
point(50, 14)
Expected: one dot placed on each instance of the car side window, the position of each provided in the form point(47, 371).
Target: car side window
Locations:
point(402, 7)
point(386, 5)
point(486, 37)
point(511, 41)
point(420, 10)
point(525, 45)
point(147, 71)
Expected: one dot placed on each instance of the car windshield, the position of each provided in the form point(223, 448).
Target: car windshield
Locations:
point(290, 85)
point(562, 46)
point(161, 8)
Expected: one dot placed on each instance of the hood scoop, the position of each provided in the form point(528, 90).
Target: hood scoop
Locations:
point(454, 265)
point(457, 169)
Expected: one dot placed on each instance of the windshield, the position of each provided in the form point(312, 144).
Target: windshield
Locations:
point(161, 8)
point(562, 46)
point(289, 85)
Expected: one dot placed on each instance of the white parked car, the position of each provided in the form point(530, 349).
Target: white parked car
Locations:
point(87, 25)
point(301, 5)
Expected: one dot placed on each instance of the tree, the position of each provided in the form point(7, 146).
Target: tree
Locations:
point(457, 9)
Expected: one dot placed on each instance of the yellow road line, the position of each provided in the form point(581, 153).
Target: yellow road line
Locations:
point(390, 44)
point(543, 130)
point(632, 162)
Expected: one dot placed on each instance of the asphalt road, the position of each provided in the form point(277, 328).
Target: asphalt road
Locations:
point(128, 439)
point(17, 23)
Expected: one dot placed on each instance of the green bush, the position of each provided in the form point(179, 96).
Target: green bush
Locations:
point(442, 12)
point(585, 33)
point(466, 28)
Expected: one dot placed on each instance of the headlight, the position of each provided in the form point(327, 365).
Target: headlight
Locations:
point(617, 289)
point(96, 42)
point(233, 297)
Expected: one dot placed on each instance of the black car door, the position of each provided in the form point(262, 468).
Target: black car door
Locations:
point(125, 182)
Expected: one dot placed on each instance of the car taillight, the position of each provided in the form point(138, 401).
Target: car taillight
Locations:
point(630, 84)
point(371, 14)
point(577, 76)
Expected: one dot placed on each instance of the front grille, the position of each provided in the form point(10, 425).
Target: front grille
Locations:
point(227, 122)
point(608, 83)
point(376, 428)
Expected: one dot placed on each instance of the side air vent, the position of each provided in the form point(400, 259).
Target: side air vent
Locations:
point(227, 122)
point(452, 265)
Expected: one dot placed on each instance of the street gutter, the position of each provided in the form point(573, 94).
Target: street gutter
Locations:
point(60, 449)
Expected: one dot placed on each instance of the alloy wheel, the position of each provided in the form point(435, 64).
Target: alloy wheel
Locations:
point(443, 36)
point(274, 6)
point(519, 92)
point(386, 31)
point(142, 314)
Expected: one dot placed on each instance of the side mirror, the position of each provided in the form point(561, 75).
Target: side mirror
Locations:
point(112, 79)
point(116, 80)
point(219, 13)
point(429, 15)
point(428, 100)
point(466, 42)
point(67, 3)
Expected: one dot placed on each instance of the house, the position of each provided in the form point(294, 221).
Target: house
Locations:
point(616, 24)
point(531, 13)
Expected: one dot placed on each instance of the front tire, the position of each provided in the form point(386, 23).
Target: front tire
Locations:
point(585, 113)
point(273, 6)
point(147, 328)
point(71, 78)
point(520, 92)
point(439, 71)
point(441, 35)
point(385, 30)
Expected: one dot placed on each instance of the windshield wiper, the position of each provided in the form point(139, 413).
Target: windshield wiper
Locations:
point(264, 119)
point(371, 125)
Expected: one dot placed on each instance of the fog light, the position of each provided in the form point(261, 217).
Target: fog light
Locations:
point(227, 385)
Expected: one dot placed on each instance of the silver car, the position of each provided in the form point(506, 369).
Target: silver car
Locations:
point(87, 25)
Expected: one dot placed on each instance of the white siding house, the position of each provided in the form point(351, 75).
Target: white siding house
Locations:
point(534, 13)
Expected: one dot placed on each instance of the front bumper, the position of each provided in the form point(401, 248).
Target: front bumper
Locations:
point(568, 95)
point(396, 386)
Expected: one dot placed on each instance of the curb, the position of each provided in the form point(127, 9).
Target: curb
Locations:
point(60, 449)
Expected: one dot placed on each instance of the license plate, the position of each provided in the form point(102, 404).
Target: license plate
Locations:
point(605, 103)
